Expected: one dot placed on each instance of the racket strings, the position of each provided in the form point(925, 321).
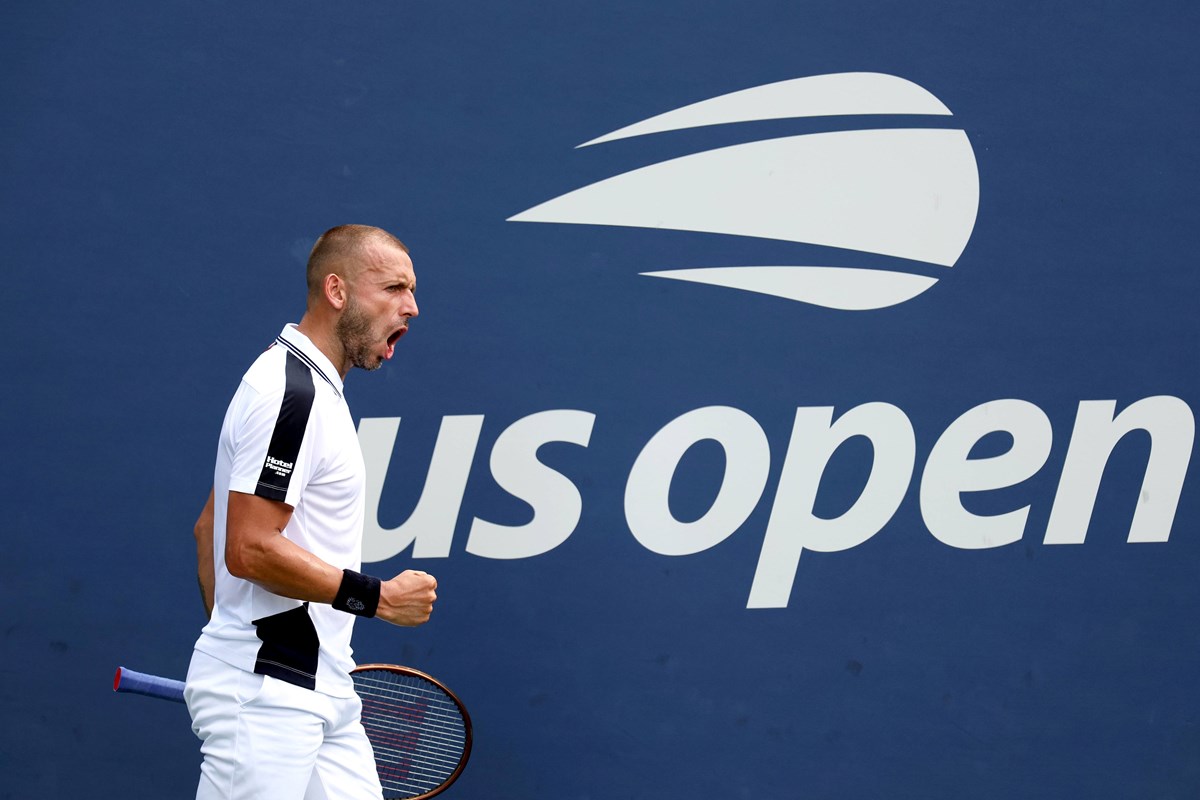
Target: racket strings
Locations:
point(416, 706)
point(417, 730)
point(399, 739)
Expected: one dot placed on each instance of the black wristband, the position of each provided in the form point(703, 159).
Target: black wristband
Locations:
point(358, 594)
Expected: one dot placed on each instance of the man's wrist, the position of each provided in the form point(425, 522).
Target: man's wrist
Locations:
point(358, 594)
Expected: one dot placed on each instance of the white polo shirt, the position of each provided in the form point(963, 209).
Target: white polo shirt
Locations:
point(288, 436)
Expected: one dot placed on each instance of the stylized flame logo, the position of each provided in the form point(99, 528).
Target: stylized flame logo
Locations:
point(911, 193)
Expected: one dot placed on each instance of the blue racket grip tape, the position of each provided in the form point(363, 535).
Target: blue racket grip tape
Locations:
point(126, 680)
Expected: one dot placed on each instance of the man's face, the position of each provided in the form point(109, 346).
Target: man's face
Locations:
point(378, 307)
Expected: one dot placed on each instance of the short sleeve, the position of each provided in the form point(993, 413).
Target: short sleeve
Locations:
point(269, 456)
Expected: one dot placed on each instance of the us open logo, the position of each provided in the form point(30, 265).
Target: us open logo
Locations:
point(908, 193)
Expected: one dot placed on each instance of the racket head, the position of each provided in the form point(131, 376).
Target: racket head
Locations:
point(419, 729)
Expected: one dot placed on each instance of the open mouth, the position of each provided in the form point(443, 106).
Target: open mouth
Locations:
point(395, 337)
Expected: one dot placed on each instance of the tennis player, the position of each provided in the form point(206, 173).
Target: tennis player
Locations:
point(279, 544)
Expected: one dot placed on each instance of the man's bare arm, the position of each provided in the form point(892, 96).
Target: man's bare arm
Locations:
point(203, 531)
point(256, 550)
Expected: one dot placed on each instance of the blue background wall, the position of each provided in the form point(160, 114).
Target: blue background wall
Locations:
point(166, 167)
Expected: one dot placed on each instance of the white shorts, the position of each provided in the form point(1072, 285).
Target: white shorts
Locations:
point(266, 739)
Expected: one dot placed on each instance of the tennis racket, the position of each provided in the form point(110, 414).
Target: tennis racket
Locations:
point(420, 731)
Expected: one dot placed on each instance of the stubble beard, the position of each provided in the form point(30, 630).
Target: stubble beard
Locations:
point(354, 332)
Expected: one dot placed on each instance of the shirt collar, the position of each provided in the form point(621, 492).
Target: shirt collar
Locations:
point(304, 349)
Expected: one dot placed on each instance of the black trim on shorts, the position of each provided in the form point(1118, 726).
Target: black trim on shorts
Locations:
point(280, 461)
point(290, 647)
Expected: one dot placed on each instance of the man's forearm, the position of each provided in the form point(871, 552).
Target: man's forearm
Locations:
point(205, 573)
point(282, 567)
point(256, 550)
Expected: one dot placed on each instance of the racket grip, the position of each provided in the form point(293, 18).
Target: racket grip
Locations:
point(126, 680)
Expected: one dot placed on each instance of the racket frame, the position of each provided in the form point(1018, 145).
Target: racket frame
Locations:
point(462, 709)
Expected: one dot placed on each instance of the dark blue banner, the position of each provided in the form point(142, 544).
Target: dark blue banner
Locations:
point(801, 404)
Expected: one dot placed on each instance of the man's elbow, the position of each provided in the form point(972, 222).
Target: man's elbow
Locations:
point(203, 529)
point(243, 560)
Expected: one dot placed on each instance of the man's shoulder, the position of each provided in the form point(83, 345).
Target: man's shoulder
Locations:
point(278, 371)
point(267, 375)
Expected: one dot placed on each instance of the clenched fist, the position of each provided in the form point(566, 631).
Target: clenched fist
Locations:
point(407, 599)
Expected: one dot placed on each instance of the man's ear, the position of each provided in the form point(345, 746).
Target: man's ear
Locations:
point(336, 291)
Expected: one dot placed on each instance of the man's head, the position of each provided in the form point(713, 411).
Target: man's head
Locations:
point(360, 295)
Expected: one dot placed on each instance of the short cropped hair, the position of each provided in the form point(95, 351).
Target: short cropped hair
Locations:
point(339, 244)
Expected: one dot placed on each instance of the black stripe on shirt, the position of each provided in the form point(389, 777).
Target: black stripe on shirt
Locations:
point(290, 647)
point(288, 435)
point(300, 354)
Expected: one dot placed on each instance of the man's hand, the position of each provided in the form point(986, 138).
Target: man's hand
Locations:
point(407, 599)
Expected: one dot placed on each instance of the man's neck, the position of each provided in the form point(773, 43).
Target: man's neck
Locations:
point(322, 335)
